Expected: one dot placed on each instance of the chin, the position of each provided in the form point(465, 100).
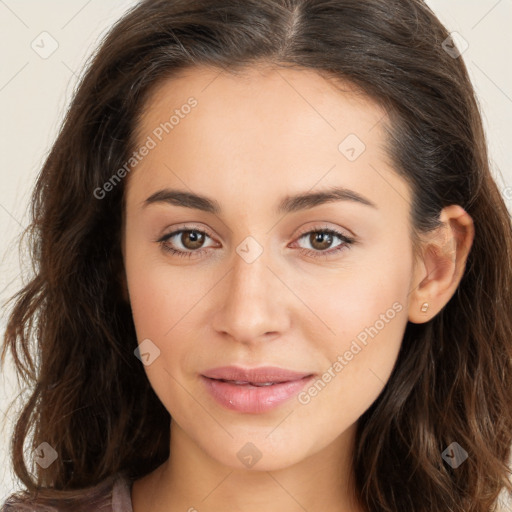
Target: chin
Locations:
point(258, 453)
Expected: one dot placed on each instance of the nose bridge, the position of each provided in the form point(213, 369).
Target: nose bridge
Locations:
point(252, 303)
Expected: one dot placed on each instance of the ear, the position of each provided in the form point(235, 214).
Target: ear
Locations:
point(441, 263)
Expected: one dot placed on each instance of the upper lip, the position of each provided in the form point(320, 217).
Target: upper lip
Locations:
point(261, 374)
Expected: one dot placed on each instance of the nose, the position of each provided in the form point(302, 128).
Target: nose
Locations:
point(252, 302)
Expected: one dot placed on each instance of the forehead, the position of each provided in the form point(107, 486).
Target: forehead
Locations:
point(267, 90)
point(259, 127)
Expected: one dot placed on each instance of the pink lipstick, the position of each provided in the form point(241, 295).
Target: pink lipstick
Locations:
point(253, 390)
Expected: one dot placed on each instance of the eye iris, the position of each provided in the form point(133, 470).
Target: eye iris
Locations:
point(325, 240)
point(197, 239)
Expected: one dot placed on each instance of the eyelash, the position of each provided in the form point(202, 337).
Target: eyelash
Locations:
point(347, 242)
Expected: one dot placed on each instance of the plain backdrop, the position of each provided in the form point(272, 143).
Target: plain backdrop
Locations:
point(36, 88)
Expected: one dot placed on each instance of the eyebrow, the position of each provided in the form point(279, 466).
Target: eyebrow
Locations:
point(288, 204)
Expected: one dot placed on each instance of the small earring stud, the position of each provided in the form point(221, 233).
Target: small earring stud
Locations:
point(424, 307)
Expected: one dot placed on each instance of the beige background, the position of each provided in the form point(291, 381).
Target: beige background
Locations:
point(35, 91)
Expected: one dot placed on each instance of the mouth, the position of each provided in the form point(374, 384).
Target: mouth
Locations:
point(254, 390)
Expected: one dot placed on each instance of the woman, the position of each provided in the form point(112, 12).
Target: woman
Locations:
point(273, 270)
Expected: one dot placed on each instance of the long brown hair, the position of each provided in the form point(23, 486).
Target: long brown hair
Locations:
point(71, 332)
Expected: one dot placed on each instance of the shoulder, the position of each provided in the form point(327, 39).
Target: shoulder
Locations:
point(113, 494)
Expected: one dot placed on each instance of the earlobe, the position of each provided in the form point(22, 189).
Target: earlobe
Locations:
point(443, 260)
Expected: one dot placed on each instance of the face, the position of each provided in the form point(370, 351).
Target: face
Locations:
point(317, 285)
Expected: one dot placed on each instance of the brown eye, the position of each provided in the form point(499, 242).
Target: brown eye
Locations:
point(185, 242)
point(320, 240)
point(192, 239)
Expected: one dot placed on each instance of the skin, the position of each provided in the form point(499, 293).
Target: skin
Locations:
point(252, 140)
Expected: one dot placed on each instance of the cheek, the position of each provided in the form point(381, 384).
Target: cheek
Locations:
point(161, 300)
point(367, 316)
point(165, 303)
point(161, 295)
point(370, 298)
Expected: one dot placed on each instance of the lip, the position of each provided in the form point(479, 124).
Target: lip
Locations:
point(242, 396)
point(256, 375)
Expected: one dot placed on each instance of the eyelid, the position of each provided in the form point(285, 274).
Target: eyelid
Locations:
point(324, 226)
point(184, 227)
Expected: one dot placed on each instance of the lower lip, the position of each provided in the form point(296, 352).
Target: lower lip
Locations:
point(253, 399)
